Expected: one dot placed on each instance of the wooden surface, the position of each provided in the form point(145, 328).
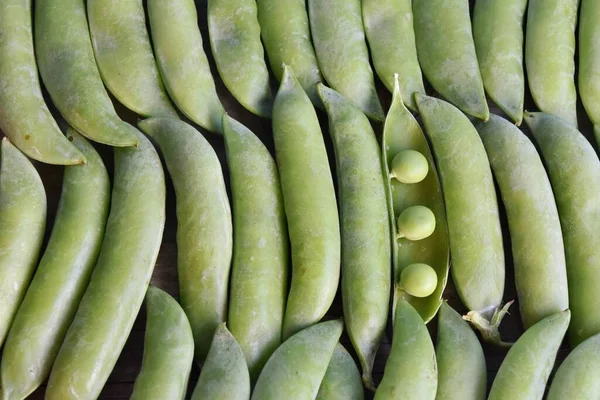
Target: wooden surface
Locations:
point(120, 384)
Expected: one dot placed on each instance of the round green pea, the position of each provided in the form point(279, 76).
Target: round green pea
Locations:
point(419, 280)
point(416, 223)
point(409, 166)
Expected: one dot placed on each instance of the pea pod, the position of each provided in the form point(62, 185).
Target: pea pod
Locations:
point(589, 59)
point(310, 206)
point(204, 231)
point(65, 58)
point(342, 380)
point(527, 366)
point(499, 37)
point(120, 278)
point(366, 250)
point(551, 30)
point(574, 171)
point(259, 271)
point(447, 53)
point(124, 56)
point(61, 277)
point(168, 350)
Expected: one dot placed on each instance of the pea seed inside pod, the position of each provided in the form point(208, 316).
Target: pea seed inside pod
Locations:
point(409, 166)
point(419, 280)
point(416, 223)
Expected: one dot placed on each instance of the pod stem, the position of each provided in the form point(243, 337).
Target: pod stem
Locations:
point(368, 381)
point(489, 328)
point(399, 236)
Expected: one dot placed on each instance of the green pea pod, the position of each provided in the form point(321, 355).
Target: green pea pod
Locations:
point(285, 33)
point(24, 116)
point(447, 53)
point(498, 35)
point(410, 371)
point(22, 224)
point(527, 366)
point(391, 36)
point(341, 48)
point(61, 277)
point(472, 211)
point(366, 250)
point(462, 373)
point(204, 231)
point(402, 132)
point(342, 380)
point(551, 30)
point(597, 133)
point(168, 350)
point(182, 62)
point(310, 206)
point(260, 256)
point(224, 375)
point(124, 56)
point(577, 376)
point(298, 366)
point(120, 278)
point(65, 58)
point(589, 59)
point(574, 171)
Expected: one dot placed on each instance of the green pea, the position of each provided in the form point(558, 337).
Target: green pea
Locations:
point(409, 166)
point(342, 380)
point(419, 280)
point(416, 223)
point(589, 59)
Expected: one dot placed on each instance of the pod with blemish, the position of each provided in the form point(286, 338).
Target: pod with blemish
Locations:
point(589, 59)
point(342, 380)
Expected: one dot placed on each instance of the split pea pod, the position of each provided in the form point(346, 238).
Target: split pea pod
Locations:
point(310, 206)
point(168, 350)
point(589, 59)
point(499, 37)
point(341, 48)
point(259, 272)
point(574, 171)
point(65, 58)
point(204, 231)
point(447, 54)
point(61, 277)
point(342, 380)
point(551, 30)
point(120, 278)
point(182, 62)
point(124, 56)
point(366, 250)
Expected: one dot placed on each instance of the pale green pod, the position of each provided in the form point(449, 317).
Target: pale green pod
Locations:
point(342, 380)
point(124, 56)
point(204, 230)
point(65, 58)
point(341, 48)
point(499, 40)
point(259, 271)
point(597, 133)
point(527, 366)
point(61, 277)
point(297, 368)
point(389, 29)
point(589, 59)
point(551, 31)
point(574, 171)
point(168, 350)
point(120, 278)
point(24, 116)
point(366, 247)
point(182, 62)
point(22, 224)
point(447, 53)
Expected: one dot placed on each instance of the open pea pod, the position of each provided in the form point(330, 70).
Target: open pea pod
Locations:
point(402, 132)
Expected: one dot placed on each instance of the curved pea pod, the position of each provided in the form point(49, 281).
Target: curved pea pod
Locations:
point(61, 277)
point(389, 30)
point(574, 171)
point(527, 366)
point(447, 53)
point(124, 56)
point(411, 369)
point(204, 231)
point(577, 376)
point(310, 206)
point(499, 37)
point(120, 278)
point(298, 366)
point(462, 373)
point(65, 58)
point(168, 350)
point(472, 211)
point(551, 30)
point(342, 380)
point(22, 224)
point(366, 250)
point(589, 59)
point(341, 48)
point(182, 62)
point(259, 272)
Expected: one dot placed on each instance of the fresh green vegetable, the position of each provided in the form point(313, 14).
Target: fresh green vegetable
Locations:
point(419, 280)
point(409, 166)
point(416, 223)
point(342, 380)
